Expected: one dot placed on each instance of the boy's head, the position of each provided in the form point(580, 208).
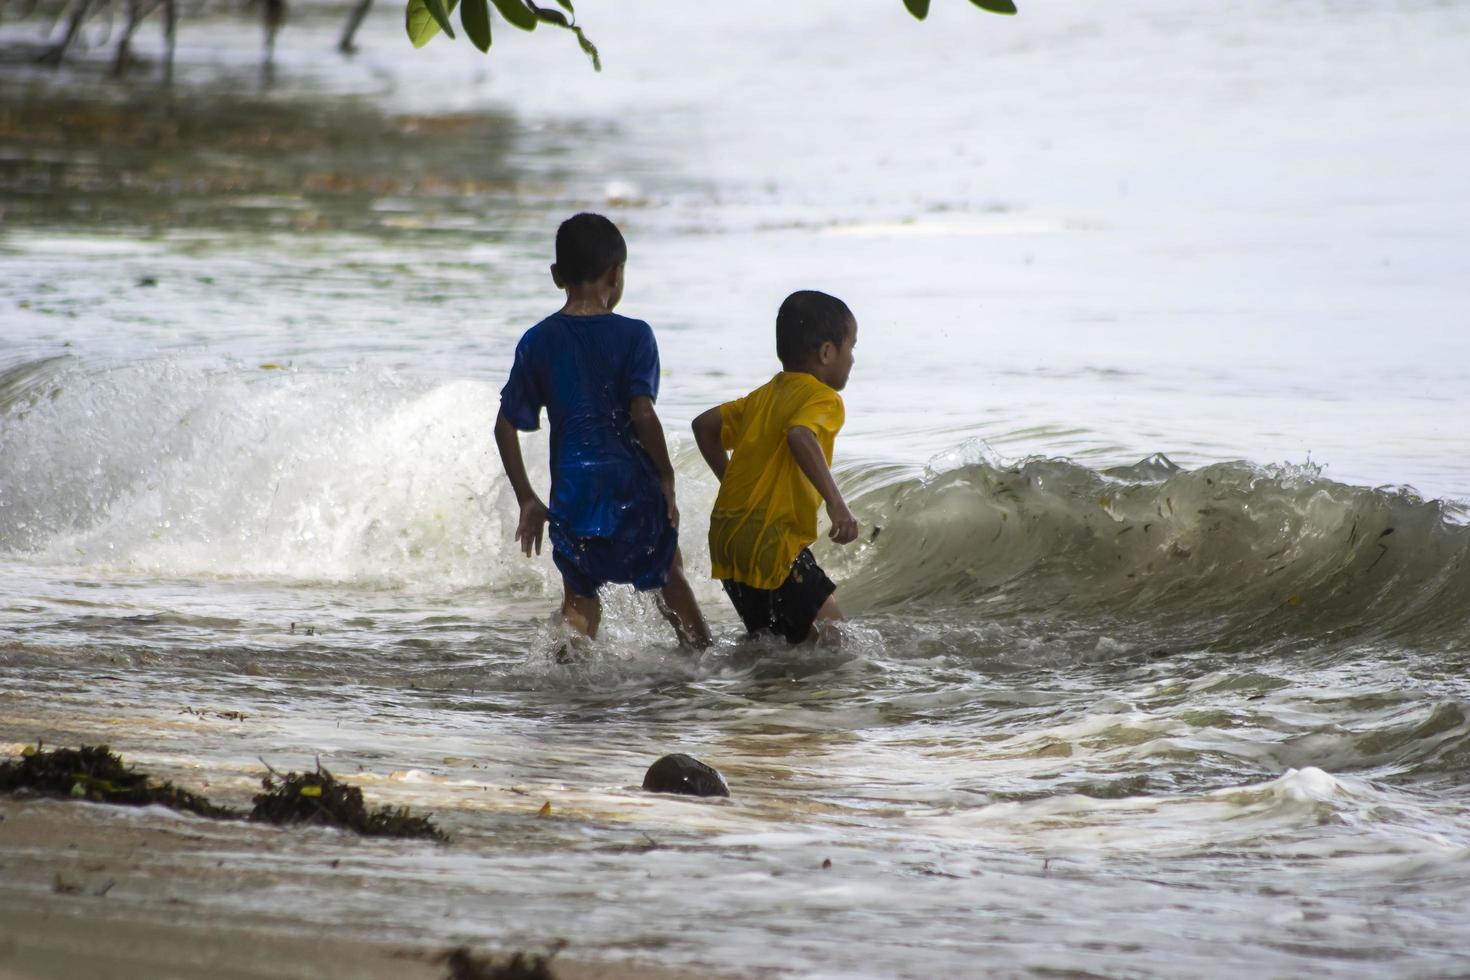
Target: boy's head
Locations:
point(588, 247)
point(816, 333)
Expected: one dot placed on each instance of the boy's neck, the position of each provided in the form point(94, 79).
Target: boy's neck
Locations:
point(593, 297)
point(814, 371)
point(588, 299)
point(575, 308)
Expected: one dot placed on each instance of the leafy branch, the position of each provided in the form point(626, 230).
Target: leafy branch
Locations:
point(426, 18)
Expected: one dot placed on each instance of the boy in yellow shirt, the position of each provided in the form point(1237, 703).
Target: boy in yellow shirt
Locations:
point(782, 434)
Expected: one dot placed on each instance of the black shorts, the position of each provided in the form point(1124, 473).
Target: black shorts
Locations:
point(789, 609)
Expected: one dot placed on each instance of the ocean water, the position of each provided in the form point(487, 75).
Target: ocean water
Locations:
point(1157, 655)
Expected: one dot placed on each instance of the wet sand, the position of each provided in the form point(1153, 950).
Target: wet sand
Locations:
point(94, 891)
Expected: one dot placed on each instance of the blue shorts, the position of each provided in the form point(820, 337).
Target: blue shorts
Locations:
point(640, 553)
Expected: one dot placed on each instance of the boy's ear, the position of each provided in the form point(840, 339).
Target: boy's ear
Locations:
point(827, 353)
point(556, 277)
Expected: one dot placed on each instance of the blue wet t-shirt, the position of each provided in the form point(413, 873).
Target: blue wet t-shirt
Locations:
point(585, 370)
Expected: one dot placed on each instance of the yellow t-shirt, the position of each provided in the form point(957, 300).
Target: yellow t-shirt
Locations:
point(766, 511)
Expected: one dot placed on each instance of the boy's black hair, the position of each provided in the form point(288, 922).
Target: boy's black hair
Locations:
point(587, 245)
point(807, 319)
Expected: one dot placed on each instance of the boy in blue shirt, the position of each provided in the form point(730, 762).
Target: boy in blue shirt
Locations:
point(613, 516)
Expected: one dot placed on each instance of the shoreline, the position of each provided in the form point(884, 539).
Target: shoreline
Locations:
point(98, 890)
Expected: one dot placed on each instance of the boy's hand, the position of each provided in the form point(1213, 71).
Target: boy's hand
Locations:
point(533, 521)
point(668, 486)
point(844, 524)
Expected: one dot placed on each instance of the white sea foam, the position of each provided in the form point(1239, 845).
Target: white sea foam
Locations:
point(182, 469)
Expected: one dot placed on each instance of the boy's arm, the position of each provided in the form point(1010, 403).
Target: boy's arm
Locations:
point(707, 437)
point(808, 453)
point(533, 512)
point(650, 433)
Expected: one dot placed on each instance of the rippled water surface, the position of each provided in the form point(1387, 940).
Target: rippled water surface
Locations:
point(1157, 666)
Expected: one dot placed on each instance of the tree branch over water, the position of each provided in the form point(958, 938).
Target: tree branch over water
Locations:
point(426, 18)
point(423, 20)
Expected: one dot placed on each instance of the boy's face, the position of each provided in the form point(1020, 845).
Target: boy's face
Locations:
point(837, 361)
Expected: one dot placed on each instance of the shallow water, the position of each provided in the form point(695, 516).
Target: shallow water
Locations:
point(1157, 666)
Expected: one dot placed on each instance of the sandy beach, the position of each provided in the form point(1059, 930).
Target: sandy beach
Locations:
point(97, 891)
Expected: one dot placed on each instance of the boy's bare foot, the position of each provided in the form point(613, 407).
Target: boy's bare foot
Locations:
point(573, 650)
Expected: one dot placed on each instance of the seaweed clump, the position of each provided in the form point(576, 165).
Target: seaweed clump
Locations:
point(94, 773)
point(319, 798)
point(464, 965)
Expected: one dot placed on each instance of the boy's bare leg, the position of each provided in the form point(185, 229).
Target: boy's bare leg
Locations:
point(676, 601)
point(824, 627)
point(582, 613)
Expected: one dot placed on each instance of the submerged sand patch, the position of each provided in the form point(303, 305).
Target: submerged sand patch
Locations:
point(88, 890)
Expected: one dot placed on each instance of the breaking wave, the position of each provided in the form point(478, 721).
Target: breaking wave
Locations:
point(1235, 551)
point(183, 468)
point(200, 467)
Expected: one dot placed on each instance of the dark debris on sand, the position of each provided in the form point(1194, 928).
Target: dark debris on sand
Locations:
point(93, 773)
point(318, 798)
point(464, 965)
point(684, 774)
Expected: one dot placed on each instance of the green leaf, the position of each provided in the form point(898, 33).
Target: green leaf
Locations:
point(589, 48)
point(517, 13)
point(420, 23)
point(996, 6)
point(440, 13)
point(560, 20)
point(567, 5)
point(474, 16)
point(425, 18)
point(919, 8)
